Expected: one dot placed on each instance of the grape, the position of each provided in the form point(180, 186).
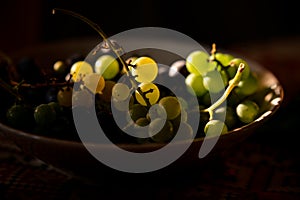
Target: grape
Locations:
point(224, 58)
point(137, 111)
point(247, 111)
point(64, 96)
point(206, 99)
point(156, 111)
point(230, 116)
point(247, 86)
point(79, 69)
point(94, 82)
point(214, 82)
point(143, 121)
point(120, 91)
point(197, 63)
point(161, 131)
point(60, 68)
point(235, 64)
point(171, 105)
point(195, 85)
point(44, 115)
point(182, 118)
point(215, 127)
point(55, 105)
point(145, 70)
point(107, 66)
point(20, 116)
point(151, 92)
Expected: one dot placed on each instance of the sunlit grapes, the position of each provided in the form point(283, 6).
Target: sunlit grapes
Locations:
point(145, 69)
point(107, 66)
point(151, 92)
point(120, 91)
point(197, 63)
point(171, 105)
point(80, 69)
point(94, 82)
point(247, 111)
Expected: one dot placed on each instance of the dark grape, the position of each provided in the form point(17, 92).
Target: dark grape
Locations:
point(44, 115)
point(20, 116)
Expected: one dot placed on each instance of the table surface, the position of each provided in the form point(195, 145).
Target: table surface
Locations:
point(264, 166)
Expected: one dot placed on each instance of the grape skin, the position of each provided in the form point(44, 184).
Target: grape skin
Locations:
point(247, 111)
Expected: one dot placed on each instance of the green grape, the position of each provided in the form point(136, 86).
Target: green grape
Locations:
point(214, 82)
point(58, 108)
point(107, 66)
point(235, 64)
point(106, 93)
point(143, 121)
point(151, 92)
point(64, 96)
point(197, 63)
point(224, 58)
point(82, 98)
point(94, 82)
point(215, 127)
point(247, 86)
point(44, 115)
point(137, 111)
point(20, 116)
point(182, 118)
point(120, 91)
point(145, 70)
point(228, 114)
point(160, 130)
point(156, 111)
point(206, 99)
point(80, 69)
point(231, 71)
point(195, 85)
point(247, 111)
point(171, 105)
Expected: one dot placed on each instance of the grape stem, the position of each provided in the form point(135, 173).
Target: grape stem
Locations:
point(232, 84)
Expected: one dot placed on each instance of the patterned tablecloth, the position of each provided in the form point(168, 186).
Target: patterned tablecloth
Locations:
point(264, 166)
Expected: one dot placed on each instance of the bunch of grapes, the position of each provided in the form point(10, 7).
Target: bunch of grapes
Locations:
point(230, 81)
point(120, 87)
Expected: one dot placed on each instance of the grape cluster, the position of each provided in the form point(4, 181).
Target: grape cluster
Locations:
point(230, 80)
point(114, 84)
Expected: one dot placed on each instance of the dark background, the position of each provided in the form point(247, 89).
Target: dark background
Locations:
point(26, 23)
